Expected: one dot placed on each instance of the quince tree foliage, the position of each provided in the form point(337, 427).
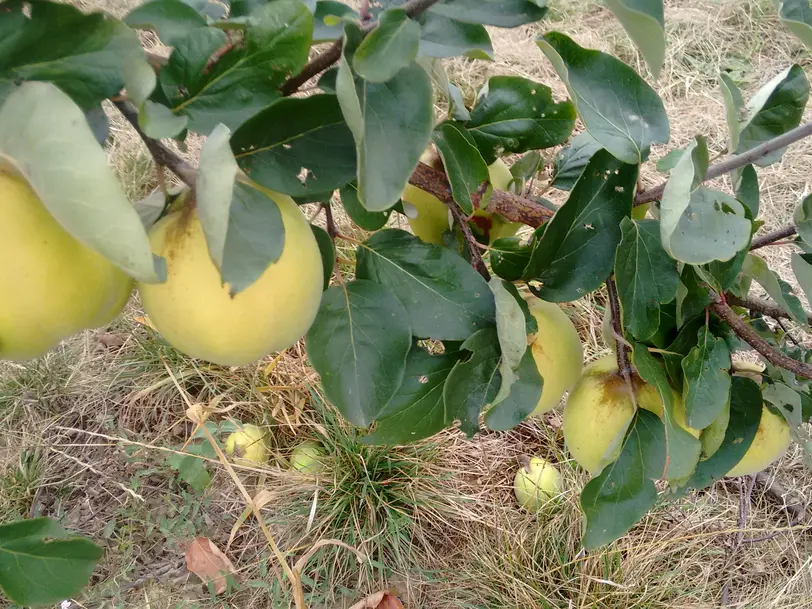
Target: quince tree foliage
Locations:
point(314, 102)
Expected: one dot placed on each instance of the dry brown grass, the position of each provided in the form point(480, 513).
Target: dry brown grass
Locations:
point(86, 429)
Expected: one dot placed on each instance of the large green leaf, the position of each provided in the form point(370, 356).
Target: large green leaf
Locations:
point(745, 184)
point(501, 13)
point(358, 344)
point(617, 106)
point(509, 257)
point(644, 23)
point(571, 161)
point(417, 410)
point(444, 37)
point(462, 161)
point(84, 55)
point(577, 251)
point(45, 136)
point(623, 492)
point(681, 448)
point(758, 269)
point(775, 109)
point(246, 78)
point(391, 123)
point(514, 114)
point(388, 48)
point(368, 220)
point(444, 297)
point(42, 564)
point(170, 19)
point(298, 146)
point(706, 380)
point(797, 16)
point(734, 105)
point(699, 224)
point(522, 398)
point(645, 275)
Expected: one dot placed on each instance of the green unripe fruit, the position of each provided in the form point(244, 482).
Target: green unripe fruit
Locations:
point(247, 446)
point(308, 458)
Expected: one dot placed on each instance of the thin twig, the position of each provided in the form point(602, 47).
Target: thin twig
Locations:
point(795, 511)
point(770, 238)
point(736, 162)
point(162, 155)
point(751, 337)
point(759, 305)
point(476, 256)
point(327, 58)
point(623, 365)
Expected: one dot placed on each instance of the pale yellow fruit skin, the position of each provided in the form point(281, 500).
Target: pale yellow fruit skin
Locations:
point(599, 408)
point(308, 458)
point(432, 214)
point(557, 351)
point(247, 446)
point(53, 285)
point(771, 441)
point(536, 484)
point(194, 311)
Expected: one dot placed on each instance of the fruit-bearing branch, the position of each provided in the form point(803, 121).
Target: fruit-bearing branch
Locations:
point(622, 350)
point(764, 307)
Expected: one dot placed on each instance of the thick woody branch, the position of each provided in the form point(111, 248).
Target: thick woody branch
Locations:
point(770, 238)
point(736, 162)
point(751, 337)
point(332, 54)
point(758, 305)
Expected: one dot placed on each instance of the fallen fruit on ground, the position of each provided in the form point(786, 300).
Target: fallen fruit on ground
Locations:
point(196, 314)
point(308, 457)
point(432, 214)
point(771, 441)
point(247, 446)
point(557, 352)
point(53, 285)
point(536, 483)
point(599, 410)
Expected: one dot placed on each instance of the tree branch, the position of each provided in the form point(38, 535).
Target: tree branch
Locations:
point(769, 238)
point(473, 247)
point(163, 156)
point(736, 162)
point(751, 337)
point(326, 58)
point(622, 347)
point(770, 309)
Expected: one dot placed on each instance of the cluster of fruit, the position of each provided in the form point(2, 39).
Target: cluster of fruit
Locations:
point(247, 447)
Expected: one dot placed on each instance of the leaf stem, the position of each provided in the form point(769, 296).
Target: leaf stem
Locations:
point(736, 162)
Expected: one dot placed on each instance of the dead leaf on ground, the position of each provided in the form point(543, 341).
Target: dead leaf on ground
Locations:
point(205, 560)
point(379, 600)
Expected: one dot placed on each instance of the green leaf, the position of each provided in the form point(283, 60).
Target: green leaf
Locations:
point(243, 225)
point(572, 160)
point(734, 105)
point(509, 257)
point(645, 275)
point(527, 166)
point(298, 146)
point(514, 114)
point(802, 267)
point(775, 109)
point(510, 328)
point(681, 448)
point(803, 219)
point(724, 274)
point(46, 137)
point(745, 415)
point(623, 492)
point(699, 224)
point(679, 348)
point(358, 344)
point(501, 13)
point(617, 106)
point(42, 564)
point(191, 469)
point(391, 123)
point(328, 20)
point(524, 396)
point(759, 270)
point(706, 380)
point(747, 190)
point(389, 48)
point(246, 78)
point(456, 104)
point(327, 250)
point(463, 163)
point(797, 16)
point(444, 297)
point(158, 122)
point(368, 220)
point(644, 23)
point(443, 37)
point(577, 251)
point(417, 410)
point(84, 55)
point(170, 19)
point(670, 160)
point(473, 384)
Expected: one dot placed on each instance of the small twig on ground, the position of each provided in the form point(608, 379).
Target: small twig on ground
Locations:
point(795, 511)
point(736, 162)
point(771, 238)
point(759, 305)
point(751, 337)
